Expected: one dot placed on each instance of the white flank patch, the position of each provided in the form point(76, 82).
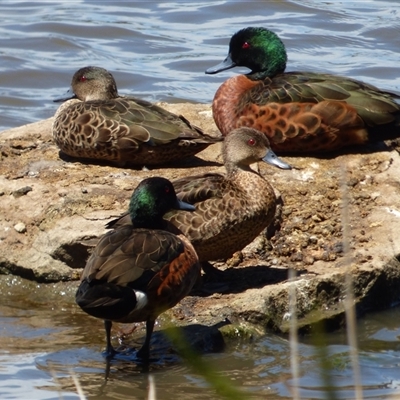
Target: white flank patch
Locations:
point(141, 299)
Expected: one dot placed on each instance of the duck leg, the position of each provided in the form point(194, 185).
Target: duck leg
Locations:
point(211, 271)
point(109, 349)
point(144, 351)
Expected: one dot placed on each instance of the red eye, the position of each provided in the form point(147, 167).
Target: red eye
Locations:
point(245, 45)
point(82, 78)
point(251, 142)
point(166, 189)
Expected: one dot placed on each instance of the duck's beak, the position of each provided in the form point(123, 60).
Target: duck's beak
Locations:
point(223, 66)
point(182, 205)
point(273, 159)
point(68, 96)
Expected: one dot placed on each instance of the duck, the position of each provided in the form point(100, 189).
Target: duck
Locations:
point(96, 123)
point(300, 112)
point(140, 270)
point(232, 208)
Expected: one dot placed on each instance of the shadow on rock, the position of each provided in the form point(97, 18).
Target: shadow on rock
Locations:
point(193, 161)
point(366, 148)
point(237, 280)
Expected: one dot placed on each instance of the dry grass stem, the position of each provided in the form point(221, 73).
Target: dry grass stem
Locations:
point(349, 300)
point(293, 338)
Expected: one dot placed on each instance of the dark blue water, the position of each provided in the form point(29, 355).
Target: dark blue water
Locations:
point(159, 51)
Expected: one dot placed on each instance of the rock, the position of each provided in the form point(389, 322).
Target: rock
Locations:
point(22, 191)
point(340, 215)
point(20, 227)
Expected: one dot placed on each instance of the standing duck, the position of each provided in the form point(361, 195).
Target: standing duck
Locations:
point(232, 208)
point(298, 111)
point(96, 123)
point(140, 270)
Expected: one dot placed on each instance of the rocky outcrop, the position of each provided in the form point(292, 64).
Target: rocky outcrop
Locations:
point(340, 214)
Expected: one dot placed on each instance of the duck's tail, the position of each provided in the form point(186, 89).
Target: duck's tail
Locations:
point(105, 300)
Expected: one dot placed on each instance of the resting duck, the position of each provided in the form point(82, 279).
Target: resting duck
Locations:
point(232, 208)
point(298, 111)
point(96, 123)
point(138, 271)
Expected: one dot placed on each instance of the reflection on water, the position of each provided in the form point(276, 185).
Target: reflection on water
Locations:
point(159, 51)
point(46, 340)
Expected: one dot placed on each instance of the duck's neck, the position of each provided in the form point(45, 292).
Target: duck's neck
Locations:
point(262, 75)
point(247, 180)
point(140, 221)
point(233, 168)
point(144, 212)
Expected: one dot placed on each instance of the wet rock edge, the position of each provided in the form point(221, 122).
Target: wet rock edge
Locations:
point(69, 202)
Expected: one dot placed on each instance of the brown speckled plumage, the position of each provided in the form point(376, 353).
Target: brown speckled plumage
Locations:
point(102, 125)
point(298, 111)
point(232, 208)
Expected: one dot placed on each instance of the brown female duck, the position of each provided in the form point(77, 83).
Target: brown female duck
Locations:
point(298, 111)
point(138, 271)
point(96, 123)
point(232, 208)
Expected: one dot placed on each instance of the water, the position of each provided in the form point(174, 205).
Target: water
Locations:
point(159, 51)
point(46, 339)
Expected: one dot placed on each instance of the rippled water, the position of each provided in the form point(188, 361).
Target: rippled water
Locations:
point(46, 340)
point(159, 51)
